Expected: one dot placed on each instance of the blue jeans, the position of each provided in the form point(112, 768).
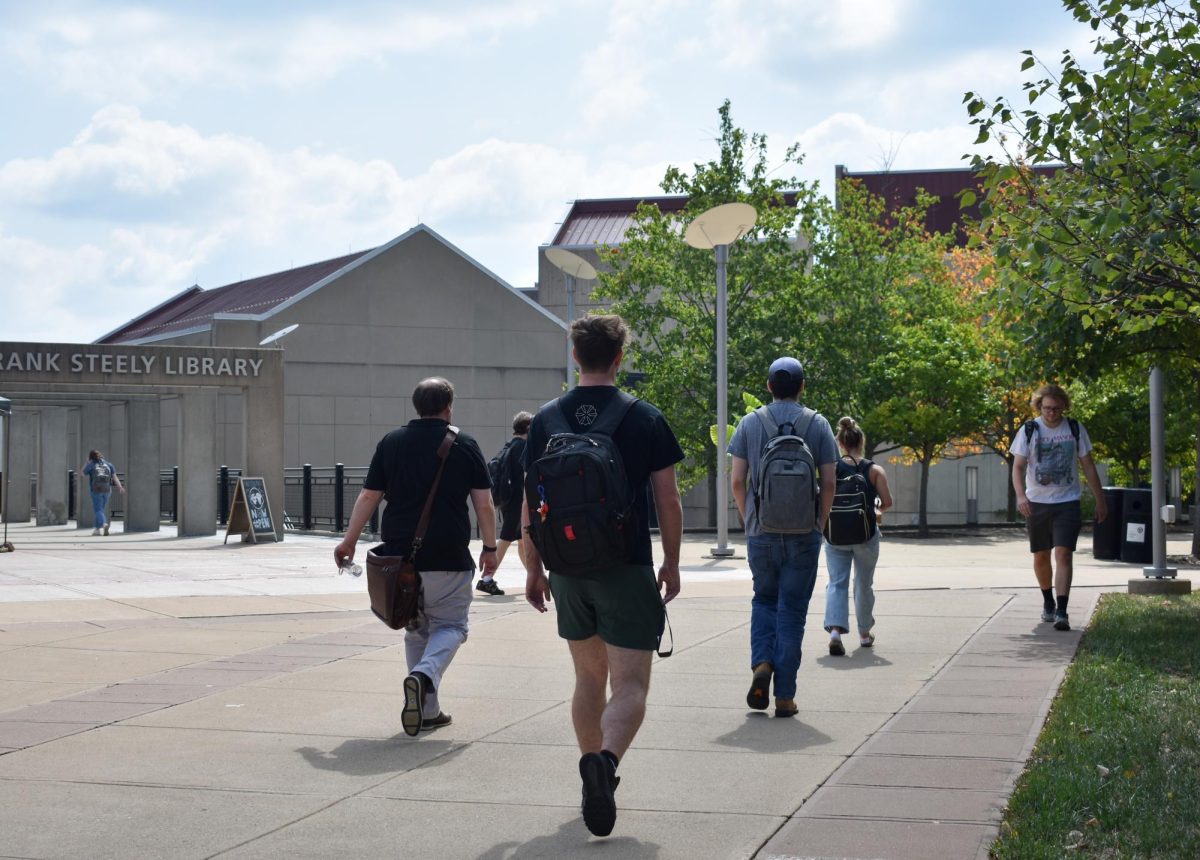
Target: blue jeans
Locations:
point(838, 559)
point(99, 503)
point(784, 568)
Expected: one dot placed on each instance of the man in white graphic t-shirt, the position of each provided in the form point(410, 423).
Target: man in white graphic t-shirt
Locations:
point(1047, 483)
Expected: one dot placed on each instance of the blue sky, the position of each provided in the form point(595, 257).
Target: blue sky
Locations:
point(147, 147)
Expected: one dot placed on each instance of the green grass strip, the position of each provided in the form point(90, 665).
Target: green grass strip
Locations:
point(1116, 770)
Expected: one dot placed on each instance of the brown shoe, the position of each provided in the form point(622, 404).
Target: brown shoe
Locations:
point(785, 707)
point(760, 687)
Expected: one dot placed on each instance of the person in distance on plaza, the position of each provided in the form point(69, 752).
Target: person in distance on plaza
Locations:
point(782, 479)
point(507, 472)
point(1046, 478)
point(852, 538)
point(402, 471)
point(593, 535)
point(101, 476)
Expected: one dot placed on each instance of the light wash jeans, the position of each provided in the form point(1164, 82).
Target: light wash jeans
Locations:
point(784, 569)
point(99, 503)
point(441, 628)
point(838, 560)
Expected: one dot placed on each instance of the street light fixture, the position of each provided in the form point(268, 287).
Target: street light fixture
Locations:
point(574, 267)
point(718, 228)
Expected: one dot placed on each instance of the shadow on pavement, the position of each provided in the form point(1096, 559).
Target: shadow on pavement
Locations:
point(857, 658)
point(765, 734)
point(374, 756)
point(572, 837)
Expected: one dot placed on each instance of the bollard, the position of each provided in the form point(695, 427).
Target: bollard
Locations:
point(223, 494)
point(339, 482)
point(306, 493)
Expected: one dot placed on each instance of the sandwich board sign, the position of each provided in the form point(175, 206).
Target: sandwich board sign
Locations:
point(250, 513)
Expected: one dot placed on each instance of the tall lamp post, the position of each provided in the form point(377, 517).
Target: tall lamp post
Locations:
point(574, 267)
point(718, 228)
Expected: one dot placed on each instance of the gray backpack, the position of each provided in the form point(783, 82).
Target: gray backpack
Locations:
point(785, 481)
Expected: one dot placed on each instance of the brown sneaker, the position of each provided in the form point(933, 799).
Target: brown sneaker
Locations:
point(785, 707)
point(760, 687)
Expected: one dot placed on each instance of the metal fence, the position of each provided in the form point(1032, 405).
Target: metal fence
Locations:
point(315, 498)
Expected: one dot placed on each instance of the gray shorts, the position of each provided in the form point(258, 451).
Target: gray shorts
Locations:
point(1053, 525)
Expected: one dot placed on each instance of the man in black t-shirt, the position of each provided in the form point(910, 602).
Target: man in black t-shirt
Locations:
point(612, 618)
point(510, 512)
point(403, 471)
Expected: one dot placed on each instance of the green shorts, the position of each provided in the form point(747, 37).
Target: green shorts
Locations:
point(620, 605)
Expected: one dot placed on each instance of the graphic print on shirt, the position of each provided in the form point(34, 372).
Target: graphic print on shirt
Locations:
point(586, 415)
point(1055, 461)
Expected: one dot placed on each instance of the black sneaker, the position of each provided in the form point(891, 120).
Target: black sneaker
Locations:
point(489, 586)
point(1061, 622)
point(599, 783)
point(836, 648)
point(442, 719)
point(1048, 613)
point(414, 702)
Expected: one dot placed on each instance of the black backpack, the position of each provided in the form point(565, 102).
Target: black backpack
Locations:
point(505, 484)
point(101, 477)
point(581, 506)
point(852, 517)
point(1031, 428)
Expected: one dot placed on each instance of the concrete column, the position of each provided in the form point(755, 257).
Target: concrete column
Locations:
point(24, 426)
point(52, 467)
point(93, 433)
point(142, 502)
point(264, 444)
point(198, 464)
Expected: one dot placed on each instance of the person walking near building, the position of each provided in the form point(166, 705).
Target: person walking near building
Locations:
point(101, 477)
point(507, 470)
point(601, 573)
point(852, 538)
point(402, 471)
point(783, 488)
point(1046, 478)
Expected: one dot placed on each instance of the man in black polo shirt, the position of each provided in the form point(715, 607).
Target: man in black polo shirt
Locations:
point(613, 618)
point(402, 471)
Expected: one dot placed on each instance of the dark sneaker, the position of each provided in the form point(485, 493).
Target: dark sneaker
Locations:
point(106, 528)
point(836, 648)
point(760, 688)
point(599, 783)
point(414, 701)
point(786, 707)
point(1061, 622)
point(1048, 614)
point(442, 719)
point(489, 587)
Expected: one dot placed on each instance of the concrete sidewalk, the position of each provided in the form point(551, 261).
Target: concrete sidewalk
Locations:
point(164, 697)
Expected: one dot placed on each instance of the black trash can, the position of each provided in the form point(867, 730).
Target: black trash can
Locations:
point(1137, 530)
point(1106, 536)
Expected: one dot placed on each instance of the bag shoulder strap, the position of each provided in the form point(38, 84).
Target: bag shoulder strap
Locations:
point(812, 416)
point(768, 421)
point(1074, 425)
point(443, 452)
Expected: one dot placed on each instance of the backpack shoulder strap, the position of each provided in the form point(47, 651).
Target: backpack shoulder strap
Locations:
point(768, 421)
point(555, 418)
point(812, 416)
point(608, 423)
point(1031, 427)
point(1074, 425)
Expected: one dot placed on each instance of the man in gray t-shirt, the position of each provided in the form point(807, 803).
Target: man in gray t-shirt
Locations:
point(783, 566)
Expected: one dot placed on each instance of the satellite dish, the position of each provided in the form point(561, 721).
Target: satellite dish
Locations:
point(573, 264)
point(279, 335)
point(721, 225)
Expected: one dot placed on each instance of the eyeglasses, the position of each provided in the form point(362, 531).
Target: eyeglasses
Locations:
point(1054, 409)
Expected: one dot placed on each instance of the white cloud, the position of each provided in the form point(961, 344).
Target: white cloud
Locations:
point(746, 33)
point(138, 54)
point(173, 205)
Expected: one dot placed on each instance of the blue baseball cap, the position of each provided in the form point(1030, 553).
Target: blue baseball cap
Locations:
point(786, 369)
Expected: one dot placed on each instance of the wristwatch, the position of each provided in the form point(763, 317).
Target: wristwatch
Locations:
point(487, 548)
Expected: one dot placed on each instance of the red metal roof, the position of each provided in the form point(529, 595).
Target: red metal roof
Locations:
point(899, 188)
point(605, 222)
point(592, 223)
point(196, 307)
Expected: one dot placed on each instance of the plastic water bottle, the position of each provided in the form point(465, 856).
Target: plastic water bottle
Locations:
point(350, 566)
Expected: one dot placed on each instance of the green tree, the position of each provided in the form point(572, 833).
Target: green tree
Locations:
point(1104, 251)
point(666, 290)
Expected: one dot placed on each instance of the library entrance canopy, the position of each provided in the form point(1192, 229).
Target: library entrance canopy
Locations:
point(106, 396)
